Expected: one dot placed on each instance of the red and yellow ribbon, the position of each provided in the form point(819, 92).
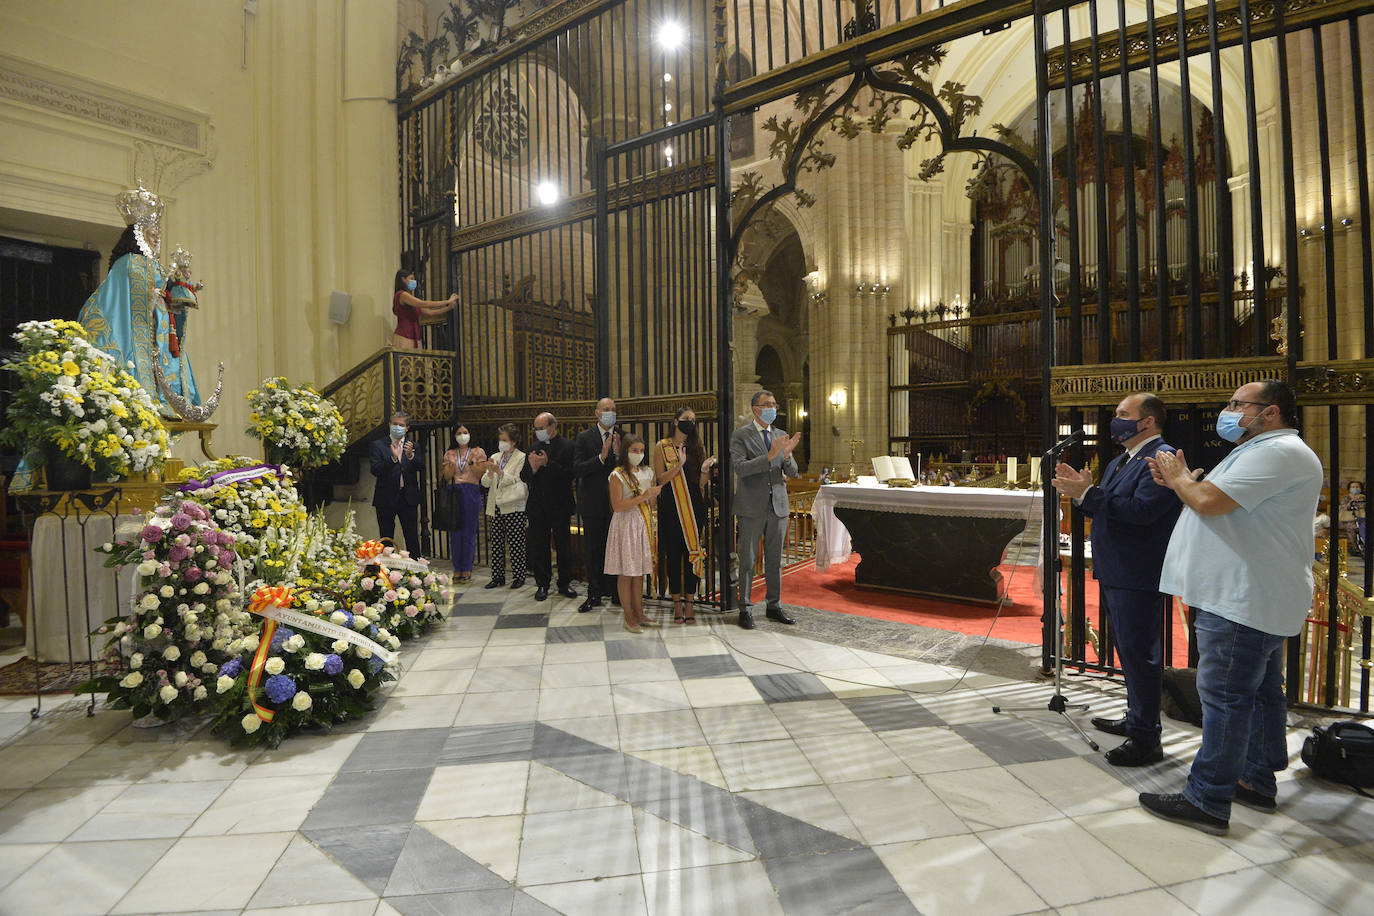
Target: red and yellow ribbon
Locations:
point(686, 515)
point(276, 596)
point(370, 550)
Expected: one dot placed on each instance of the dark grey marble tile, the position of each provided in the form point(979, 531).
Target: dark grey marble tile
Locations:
point(707, 666)
point(487, 744)
point(777, 835)
point(646, 781)
point(467, 903)
point(892, 711)
point(1331, 809)
point(476, 609)
point(1011, 741)
point(854, 883)
point(521, 621)
point(575, 634)
point(428, 865)
point(554, 742)
point(372, 797)
point(525, 905)
point(369, 851)
point(704, 809)
point(604, 771)
point(620, 650)
point(404, 749)
point(784, 688)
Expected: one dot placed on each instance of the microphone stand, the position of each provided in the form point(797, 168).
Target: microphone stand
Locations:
point(1050, 535)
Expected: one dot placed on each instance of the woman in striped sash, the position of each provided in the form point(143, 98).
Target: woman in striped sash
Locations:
point(683, 470)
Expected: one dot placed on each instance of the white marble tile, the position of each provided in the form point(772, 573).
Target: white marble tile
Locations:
point(492, 842)
point(665, 846)
point(856, 682)
point(653, 696)
point(990, 797)
point(496, 708)
point(934, 750)
point(859, 755)
point(447, 658)
point(227, 872)
point(765, 765)
point(501, 656)
point(721, 691)
point(674, 728)
point(69, 724)
point(815, 805)
point(827, 657)
point(1336, 878)
point(431, 683)
point(712, 890)
point(416, 712)
point(305, 876)
point(730, 724)
point(1249, 892)
point(597, 897)
point(478, 790)
point(639, 670)
point(547, 856)
point(602, 730)
point(572, 702)
point(957, 875)
point(689, 642)
point(371, 907)
point(79, 878)
point(505, 679)
point(200, 760)
point(698, 761)
point(517, 636)
point(1063, 863)
point(241, 809)
point(151, 810)
point(1075, 786)
point(1268, 838)
point(575, 653)
point(24, 765)
point(896, 810)
point(1154, 902)
point(113, 761)
point(304, 755)
point(17, 858)
point(958, 707)
point(550, 790)
point(50, 815)
point(1167, 853)
point(575, 674)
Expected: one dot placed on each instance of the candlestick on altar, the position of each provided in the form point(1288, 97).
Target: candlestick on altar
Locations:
point(1011, 473)
point(853, 459)
point(1035, 471)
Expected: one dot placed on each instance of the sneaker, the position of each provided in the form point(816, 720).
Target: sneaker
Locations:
point(1251, 799)
point(1178, 809)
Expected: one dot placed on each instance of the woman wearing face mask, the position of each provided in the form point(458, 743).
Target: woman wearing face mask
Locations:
point(629, 555)
point(462, 472)
point(683, 470)
point(408, 309)
point(1353, 515)
point(506, 508)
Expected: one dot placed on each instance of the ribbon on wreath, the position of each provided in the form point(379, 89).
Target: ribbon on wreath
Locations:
point(370, 550)
point(236, 475)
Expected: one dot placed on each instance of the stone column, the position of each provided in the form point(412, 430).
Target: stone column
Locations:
point(749, 306)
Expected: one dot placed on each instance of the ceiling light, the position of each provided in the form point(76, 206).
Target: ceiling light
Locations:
point(671, 36)
point(547, 192)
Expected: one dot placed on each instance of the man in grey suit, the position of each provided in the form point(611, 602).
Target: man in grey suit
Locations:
point(762, 458)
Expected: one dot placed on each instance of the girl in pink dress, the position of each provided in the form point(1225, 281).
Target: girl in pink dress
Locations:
point(408, 310)
point(629, 554)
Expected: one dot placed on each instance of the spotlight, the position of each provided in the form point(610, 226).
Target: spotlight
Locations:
point(671, 36)
point(547, 192)
point(668, 151)
point(667, 77)
point(667, 106)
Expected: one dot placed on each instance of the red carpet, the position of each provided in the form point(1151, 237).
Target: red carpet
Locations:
point(834, 590)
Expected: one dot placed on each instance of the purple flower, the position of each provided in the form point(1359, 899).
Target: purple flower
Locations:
point(181, 521)
point(332, 664)
point(281, 636)
point(231, 668)
point(151, 533)
point(178, 554)
point(279, 688)
point(164, 571)
point(374, 664)
point(193, 574)
point(226, 558)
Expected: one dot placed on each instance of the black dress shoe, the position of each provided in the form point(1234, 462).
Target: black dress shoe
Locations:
point(495, 583)
point(1110, 726)
point(1252, 799)
point(591, 603)
point(541, 593)
point(1178, 809)
point(518, 583)
point(746, 620)
point(615, 599)
point(779, 615)
point(568, 591)
point(1132, 753)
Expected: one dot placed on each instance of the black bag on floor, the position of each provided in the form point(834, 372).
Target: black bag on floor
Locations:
point(1342, 752)
point(1180, 696)
point(448, 512)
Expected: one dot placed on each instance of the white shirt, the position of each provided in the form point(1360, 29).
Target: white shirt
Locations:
point(1253, 565)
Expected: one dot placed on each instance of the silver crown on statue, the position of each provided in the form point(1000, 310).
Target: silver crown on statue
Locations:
point(143, 210)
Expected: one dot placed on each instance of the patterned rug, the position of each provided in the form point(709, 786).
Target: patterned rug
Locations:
point(17, 678)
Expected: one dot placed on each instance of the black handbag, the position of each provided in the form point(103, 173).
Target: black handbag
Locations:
point(448, 511)
point(1342, 752)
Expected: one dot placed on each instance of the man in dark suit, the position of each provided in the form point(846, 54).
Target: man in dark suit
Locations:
point(397, 463)
point(548, 472)
point(595, 452)
point(762, 458)
point(1132, 519)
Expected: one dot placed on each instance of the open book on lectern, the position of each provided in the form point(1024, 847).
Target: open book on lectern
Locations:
point(890, 467)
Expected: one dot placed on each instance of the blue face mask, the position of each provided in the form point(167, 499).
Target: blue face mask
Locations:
point(1123, 429)
point(1228, 426)
point(768, 415)
point(608, 419)
point(410, 285)
point(398, 432)
point(542, 435)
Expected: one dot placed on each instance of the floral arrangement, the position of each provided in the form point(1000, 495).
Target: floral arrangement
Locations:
point(253, 506)
point(404, 595)
point(74, 395)
point(297, 425)
point(183, 617)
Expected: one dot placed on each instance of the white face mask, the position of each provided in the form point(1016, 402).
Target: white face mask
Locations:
point(503, 445)
point(464, 438)
point(636, 458)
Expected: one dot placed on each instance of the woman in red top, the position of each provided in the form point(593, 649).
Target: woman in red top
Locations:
point(408, 309)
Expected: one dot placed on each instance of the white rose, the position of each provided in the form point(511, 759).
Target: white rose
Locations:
point(295, 643)
point(355, 678)
point(223, 684)
point(167, 694)
point(340, 646)
point(202, 588)
point(136, 661)
point(301, 701)
point(166, 591)
point(201, 693)
point(251, 723)
point(395, 642)
point(149, 602)
point(363, 652)
point(314, 662)
point(147, 567)
point(132, 679)
point(223, 605)
point(152, 631)
point(250, 642)
point(274, 665)
point(339, 618)
point(179, 679)
point(171, 653)
point(197, 659)
point(360, 622)
point(208, 668)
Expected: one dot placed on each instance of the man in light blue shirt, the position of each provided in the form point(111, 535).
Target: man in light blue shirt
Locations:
point(1241, 557)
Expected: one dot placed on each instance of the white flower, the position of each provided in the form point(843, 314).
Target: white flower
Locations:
point(180, 679)
point(132, 679)
point(147, 567)
point(208, 668)
point(363, 652)
point(274, 665)
point(339, 618)
point(355, 678)
point(223, 684)
point(339, 646)
point(166, 591)
point(202, 588)
point(301, 701)
point(251, 723)
point(136, 661)
point(171, 653)
point(152, 630)
point(201, 693)
point(295, 643)
point(250, 642)
point(167, 694)
point(149, 602)
point(197, 659)
point(314, 662)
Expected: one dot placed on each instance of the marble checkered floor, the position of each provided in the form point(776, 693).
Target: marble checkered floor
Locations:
point(533, 760)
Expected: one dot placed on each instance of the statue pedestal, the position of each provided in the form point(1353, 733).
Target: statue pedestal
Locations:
point(204, 430)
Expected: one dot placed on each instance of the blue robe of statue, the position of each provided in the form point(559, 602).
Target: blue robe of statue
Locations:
point(127, 318)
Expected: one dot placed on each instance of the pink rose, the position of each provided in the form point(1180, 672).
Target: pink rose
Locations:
point(151, 533)
point(411, 610)
point(193, 574)
point(389, 597)
point(396, 577)
point(367, 584)
point(164, 570)
point(359, 608)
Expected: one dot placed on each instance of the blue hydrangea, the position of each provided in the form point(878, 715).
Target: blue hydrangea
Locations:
point(374, 664)
point(349, 621)
point(372, 630)
point(279, 688)
point(231, 668)
point(332, 664)
point(281, 636)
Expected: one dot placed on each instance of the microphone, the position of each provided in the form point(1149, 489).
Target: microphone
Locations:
point(1075, 436)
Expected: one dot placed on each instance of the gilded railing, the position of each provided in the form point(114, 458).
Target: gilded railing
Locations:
point(420, 382)
point(1352, 605)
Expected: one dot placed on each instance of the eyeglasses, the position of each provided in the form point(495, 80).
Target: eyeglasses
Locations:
point(1237, 404)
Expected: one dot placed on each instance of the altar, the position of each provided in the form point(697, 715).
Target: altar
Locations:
point(944, 542)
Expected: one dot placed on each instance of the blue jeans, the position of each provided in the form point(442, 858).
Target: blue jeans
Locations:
point(1244, 713)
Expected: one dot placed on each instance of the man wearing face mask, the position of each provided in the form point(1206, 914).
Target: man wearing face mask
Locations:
point(396, 463)
point(595, 453)
point(762, 458)
point(1132, 519)
point(1241, 557)
point(548, 472)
